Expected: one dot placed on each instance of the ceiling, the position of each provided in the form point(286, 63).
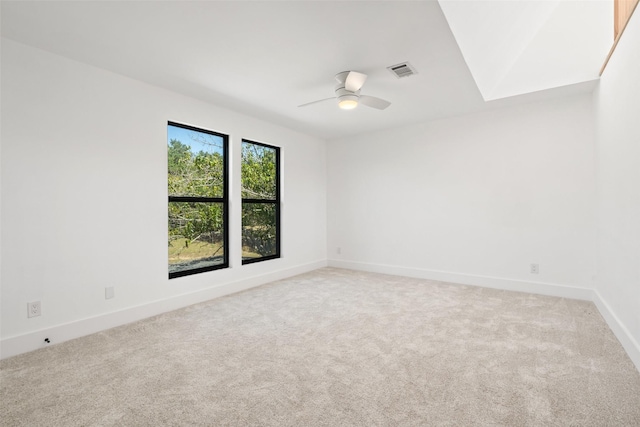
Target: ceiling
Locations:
point(265, 58)
point(523, 46)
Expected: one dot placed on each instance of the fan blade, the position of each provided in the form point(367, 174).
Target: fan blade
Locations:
point(372, 101)
point(315, 102)
point(354, 81)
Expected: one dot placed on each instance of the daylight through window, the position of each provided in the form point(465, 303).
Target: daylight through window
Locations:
point(198, 200)
point(260, 202)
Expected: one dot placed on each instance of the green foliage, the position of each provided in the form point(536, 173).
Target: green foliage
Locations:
point(258, 229)
point(258, 182)
point(195, 229)
point(258, 172)
point(200, 175)
point(194, 225)
point(179, 154)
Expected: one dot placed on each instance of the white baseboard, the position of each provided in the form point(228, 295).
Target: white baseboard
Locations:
point(540, 288)
point(19, 344)
point(13, 346)
point(630, 345)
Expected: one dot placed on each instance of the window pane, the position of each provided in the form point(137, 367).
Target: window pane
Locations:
point(196, 235)
point(258, 230)
point(196, 163)
point(258, 171)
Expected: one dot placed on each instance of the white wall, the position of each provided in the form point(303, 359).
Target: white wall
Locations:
point(617, 102)
point(84, 199)
point(474, 199)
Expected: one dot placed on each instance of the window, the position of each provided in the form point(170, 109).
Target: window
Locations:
point(198, 200)
point(260, 202)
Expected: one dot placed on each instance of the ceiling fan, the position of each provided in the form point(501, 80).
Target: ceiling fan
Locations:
point(348, 93)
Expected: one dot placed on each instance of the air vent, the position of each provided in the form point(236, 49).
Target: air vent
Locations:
point(402, 70)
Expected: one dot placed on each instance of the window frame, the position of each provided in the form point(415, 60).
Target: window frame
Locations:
point(276, 202)
point(194, 199)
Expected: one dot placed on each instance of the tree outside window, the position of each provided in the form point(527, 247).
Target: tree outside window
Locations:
point(260, 202)
point(198, 200)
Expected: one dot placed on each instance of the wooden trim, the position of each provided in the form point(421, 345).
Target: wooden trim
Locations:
point(616, 21)
point(616, 24)
point(621, 13)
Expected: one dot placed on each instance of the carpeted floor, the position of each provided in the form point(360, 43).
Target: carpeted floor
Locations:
point(337, 348)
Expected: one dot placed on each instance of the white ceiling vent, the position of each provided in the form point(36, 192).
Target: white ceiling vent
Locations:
point(402, 70)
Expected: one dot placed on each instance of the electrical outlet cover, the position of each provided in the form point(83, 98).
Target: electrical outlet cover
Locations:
point(34, 309)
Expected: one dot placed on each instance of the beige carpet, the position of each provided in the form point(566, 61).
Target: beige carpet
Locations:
point(336, 348)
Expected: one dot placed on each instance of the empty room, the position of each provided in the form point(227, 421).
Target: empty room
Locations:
point(320, 213)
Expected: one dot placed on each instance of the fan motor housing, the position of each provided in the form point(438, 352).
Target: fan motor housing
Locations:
point(341, 92)
point(342, 77)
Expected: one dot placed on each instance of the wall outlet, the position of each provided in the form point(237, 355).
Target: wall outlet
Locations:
point(535, 269)
point(338, 250)
point(109, 292)
point(33, 309)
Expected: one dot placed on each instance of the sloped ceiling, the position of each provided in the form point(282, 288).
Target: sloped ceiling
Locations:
point(264, 58)
point(518, 47)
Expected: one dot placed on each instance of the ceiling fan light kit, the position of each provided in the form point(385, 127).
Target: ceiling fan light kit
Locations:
point(348, 92)
point(348, 102)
